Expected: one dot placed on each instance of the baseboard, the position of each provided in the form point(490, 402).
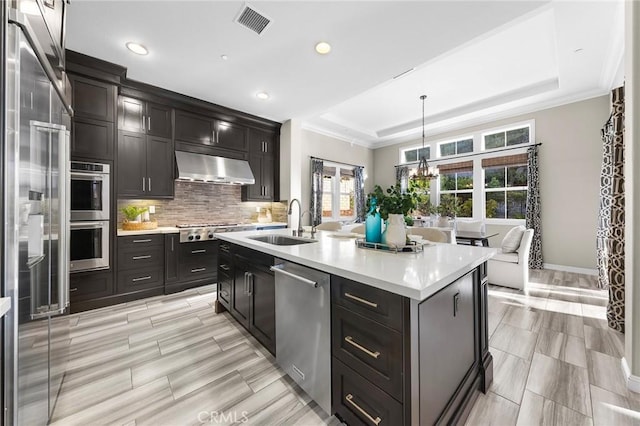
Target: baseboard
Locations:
point(564, 268)
point(633, 382)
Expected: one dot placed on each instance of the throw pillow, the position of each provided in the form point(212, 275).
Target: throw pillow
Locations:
point(511, 241)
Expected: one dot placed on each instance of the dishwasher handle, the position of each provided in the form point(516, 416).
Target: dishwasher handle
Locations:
point(280, 268)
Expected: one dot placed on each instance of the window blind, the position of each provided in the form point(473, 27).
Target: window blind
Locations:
point(508, 160)
point(463, 166)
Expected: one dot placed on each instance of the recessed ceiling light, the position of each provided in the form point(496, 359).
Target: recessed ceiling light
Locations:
point(224, 57)
point(29, 7)
point(262, 95)
point(323, 48)
point(137, 48)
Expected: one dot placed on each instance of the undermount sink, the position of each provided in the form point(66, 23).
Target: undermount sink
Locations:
point(281, 240)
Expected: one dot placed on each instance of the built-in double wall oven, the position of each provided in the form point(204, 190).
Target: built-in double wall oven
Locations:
point(90, 212)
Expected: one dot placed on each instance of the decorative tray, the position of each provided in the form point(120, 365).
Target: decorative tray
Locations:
point(412, 247)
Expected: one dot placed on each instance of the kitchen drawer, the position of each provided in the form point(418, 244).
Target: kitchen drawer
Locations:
point(358, 402)
point(140, 279)
point(139, 257)
point(371, 349)
point(139, 241)
point(373, 303)
point(200, 252)
point(87, 285)
point(225, 266)
point(224, 288)
point(196, 271)
point(225, 248)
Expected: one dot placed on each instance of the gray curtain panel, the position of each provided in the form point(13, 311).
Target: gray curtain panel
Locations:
point(402, 177)
point(532, 215)
point(358, 174)
point(610, 234)
point(317, 170)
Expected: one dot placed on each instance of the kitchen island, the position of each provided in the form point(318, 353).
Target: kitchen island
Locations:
point(409, 341)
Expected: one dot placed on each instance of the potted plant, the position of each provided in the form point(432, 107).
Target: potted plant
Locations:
point(132, 220)
point(448, 208)
point(394, 206)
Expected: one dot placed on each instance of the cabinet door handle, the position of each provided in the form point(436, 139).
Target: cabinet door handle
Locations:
point(349, 399)
point(148, 277)
point(198, 270)
point(146, 240)
point(198, 251)
point(456, 300)
point(250, 276)
point(358, 299)
point(246, 283)
point(224, 267)
point(172, 240)
point(149, 184)
point(352, 342)
point(224, 248)
point(149, 123)
point(147, 256)
point(144, 126)
point(143, 184)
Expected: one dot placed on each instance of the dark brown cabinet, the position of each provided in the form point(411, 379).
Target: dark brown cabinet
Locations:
point(262, 160)
point(140, 263)
point(93, 99)
point(189, 264)
point(247, 290)
point(144, 117)
point(145, 166)
point(92, 139)
point(201, 130)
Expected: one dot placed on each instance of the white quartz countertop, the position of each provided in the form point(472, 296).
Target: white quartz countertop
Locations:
point(5, 305)
point(414, 275)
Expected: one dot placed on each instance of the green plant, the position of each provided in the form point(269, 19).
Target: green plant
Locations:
point(449, 206)
point(393, 200)
point(132, 212)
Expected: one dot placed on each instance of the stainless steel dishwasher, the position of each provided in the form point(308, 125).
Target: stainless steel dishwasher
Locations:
point(303, 328)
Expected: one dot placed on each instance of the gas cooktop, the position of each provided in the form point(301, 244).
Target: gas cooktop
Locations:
point(194, 232)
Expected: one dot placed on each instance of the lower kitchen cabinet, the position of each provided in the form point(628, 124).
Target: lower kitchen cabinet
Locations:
point(248, 291)
point(190, 264)
point(140, 263)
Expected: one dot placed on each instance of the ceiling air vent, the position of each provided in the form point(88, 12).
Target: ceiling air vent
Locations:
point(250, 18)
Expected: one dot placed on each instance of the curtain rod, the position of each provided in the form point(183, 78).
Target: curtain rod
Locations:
point(337, 162)
point(470, 155)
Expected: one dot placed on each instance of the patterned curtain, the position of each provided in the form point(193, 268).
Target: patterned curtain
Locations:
point(533, 208)
point(358, 174)
point(610, 235)
point(402, 177)
point(317, 170)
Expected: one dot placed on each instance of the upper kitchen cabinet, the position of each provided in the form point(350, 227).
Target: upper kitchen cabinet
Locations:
point(93, 99)
point(217, 134)
point(144, 117)
point(145, 166)
point(262, 160)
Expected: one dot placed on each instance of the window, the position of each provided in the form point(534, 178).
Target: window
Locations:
point(338, 193)
point(506, 138)
point(415, 154)
point(462, 146)
point(456, 186)
point(505, 185)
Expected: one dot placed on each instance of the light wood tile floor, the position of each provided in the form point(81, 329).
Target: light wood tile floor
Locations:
point(555, 360)
point(170, 360)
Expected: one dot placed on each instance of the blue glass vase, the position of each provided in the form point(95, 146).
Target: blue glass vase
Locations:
point(373, 225)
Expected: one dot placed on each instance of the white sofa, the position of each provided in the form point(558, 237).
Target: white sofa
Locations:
point(512, 269)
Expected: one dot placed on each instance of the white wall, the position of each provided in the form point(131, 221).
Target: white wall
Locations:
point(570, 160)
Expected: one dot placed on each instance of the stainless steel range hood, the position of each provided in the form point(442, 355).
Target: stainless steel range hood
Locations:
point(207, 168)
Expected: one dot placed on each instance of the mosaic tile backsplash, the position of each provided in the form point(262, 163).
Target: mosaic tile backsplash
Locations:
point(204, 202)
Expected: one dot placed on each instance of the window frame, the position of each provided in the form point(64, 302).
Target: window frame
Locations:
point(336, 193)
point(515, 126)
point(416, 148)
point(455, 140)
point(503, 190)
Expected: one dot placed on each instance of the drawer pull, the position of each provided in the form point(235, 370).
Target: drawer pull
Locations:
point(224, 248)
point(198, 270)
point(146, 256)
point(148, 240)
point(224, 267)
point(375, 421)
point(350, 340)
point(358, 299)
point(198, 251)
point(148, 277)
point(71, 290)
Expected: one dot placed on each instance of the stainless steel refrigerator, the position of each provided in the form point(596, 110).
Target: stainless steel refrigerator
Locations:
point(35, 232)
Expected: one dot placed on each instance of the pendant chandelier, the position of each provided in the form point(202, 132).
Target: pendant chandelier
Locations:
point(424, 173)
